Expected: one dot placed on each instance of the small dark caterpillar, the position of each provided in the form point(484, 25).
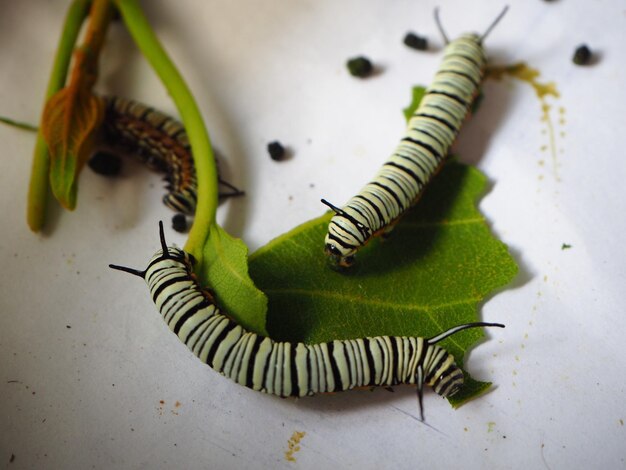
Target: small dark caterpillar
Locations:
point(290, 369)
point(161, 143)
point(420, 155)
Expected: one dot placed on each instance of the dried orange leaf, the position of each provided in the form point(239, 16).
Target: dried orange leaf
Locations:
point(70, 120)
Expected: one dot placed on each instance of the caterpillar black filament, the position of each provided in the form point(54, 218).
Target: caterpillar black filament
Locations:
point(420, 155)
point(161, 143)
point(290, 369)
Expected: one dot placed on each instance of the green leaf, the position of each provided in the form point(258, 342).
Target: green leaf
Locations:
point(416, 98)
point(440, 262)
point(471, 389)
point(225, 268)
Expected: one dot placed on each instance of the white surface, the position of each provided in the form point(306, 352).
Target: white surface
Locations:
point(89, 395)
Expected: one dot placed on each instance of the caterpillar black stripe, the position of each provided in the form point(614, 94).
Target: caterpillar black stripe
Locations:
point(420, 155)
point(290, 369)
point(161, 143)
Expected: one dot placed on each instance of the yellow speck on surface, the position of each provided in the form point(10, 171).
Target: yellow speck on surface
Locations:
point(621, 422)
point(293, 446)
point(490, 426)
point(523, 72)
point(176, 406)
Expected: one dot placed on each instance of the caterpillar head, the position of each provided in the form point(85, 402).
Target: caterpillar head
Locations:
point(345, 236)
point(449, 381)
point(184, 202)
point(439, 371)
point(338, 255)
point(168, 254)
point(442, 373)
point(173, 257)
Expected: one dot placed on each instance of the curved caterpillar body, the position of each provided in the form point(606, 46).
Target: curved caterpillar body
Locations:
point(161, 143)
point(420, 155)
point(290, 369)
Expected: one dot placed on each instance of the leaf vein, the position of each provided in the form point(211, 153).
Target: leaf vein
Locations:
point(443, 223)
point(371, 302)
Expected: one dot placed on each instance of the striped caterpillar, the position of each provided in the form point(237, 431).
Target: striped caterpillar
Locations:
point(161, 143)
point(290, 369)
point(420, 155)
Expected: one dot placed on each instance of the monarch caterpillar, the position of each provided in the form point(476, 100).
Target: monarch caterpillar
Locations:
point(420, 155)
point(161, 143)
point(290, 369)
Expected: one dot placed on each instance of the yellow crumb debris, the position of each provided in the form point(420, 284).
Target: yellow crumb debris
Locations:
point(523, 72)
point(293, 446)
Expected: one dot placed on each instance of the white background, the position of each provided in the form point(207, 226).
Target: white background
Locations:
point(91, 377)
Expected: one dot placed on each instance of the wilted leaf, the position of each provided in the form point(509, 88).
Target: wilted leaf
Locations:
point(440, 262)
point(69, 122)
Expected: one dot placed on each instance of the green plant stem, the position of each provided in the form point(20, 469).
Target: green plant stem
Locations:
point(38, 186)
point(86, 69)
point(20, 125)
point(204, 160)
